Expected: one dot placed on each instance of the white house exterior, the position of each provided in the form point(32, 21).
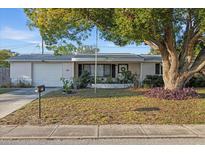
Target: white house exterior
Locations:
point(48, 69)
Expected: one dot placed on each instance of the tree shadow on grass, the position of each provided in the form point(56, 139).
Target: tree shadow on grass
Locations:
point(202, 95)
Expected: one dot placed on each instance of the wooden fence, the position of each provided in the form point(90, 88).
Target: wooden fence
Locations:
point(4, 76)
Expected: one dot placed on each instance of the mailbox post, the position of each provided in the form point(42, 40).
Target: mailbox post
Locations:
point(39, 90)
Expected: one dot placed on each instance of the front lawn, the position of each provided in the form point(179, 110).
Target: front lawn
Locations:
point(5, 90)
point(126, 106)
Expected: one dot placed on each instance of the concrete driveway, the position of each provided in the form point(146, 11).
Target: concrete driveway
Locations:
point(14, 100)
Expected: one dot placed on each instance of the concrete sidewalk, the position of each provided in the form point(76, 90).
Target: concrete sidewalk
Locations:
point(101, 132)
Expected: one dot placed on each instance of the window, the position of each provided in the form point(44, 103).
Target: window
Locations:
point(100, 70)
point(87, 68)
point(158, 68)
point(107, 70)
point(103, 70)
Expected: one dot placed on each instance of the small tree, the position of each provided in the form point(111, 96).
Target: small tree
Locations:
point(4, 55)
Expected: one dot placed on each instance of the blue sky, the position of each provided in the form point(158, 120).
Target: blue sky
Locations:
point(15, 35)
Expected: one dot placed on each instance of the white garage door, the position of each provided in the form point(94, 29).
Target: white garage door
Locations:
point(47, 74)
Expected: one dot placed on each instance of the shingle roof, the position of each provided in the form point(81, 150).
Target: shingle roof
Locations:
point(40, 57)
point(101, 56)
point(151, 57)
point(108, 55)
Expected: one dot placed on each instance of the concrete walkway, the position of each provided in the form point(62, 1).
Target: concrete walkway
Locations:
point(14, 100)
point(101, 132)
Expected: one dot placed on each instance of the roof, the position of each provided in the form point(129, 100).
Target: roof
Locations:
point(88, 57)
point(108, 57)
point(40, 57)
point(151, 57)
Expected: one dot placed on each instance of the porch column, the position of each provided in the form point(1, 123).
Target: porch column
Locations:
point(74, 69)
point(141, 74)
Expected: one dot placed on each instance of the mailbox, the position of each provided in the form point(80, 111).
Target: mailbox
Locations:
point(40, 88)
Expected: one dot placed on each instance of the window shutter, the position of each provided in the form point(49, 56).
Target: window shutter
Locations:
point(113, 70)
point(157, 68)
point(80, 69)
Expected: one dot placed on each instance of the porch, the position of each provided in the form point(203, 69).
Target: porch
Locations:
point(107, 72)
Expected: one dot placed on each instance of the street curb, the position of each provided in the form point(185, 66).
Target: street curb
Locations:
point(84, 138)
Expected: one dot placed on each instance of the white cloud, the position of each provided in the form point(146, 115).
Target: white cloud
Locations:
point(14, 34)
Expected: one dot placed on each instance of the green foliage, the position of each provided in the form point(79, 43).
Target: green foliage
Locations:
point(126, 77)
point(86, 49)
point(22, 83)
point(59, 26)
point(62, 49)
point(71, 49)
point(76, 83)
point(84, 79)
point(175, 32)
point(121, 26)
point(6, 85)
point(154, 52)
point(198, 80)
point(4, 55)
point(109, 79)
point(153, 81)
point(67, 85)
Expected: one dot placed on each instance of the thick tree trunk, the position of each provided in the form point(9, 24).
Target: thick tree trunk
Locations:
point(173, 78)
point(172, 82)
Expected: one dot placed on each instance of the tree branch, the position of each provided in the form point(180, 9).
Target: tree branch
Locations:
point(199, 62)
point(191, 37)
point(152, 44)
point(170, 47)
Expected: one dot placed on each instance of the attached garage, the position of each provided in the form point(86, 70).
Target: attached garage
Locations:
point(48, 74)
point(37, 71)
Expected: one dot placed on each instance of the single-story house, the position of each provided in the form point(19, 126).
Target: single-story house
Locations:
point(47, 69)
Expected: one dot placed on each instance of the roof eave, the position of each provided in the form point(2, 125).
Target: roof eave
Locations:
point(39, 60)
point(107, 59)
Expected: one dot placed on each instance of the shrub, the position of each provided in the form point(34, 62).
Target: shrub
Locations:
point(197, 80)
point(67, 86)
point(180, 94)
point(99, 80)
point(22, 83)
point(84, 79)
point(75, 83)
point(126, 77)
point(6, 85)
point(109, 80)
point(153, 81)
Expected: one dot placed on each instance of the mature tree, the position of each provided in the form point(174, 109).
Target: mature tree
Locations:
point(178, 34)
point(4, 55)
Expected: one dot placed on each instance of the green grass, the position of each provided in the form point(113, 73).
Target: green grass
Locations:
point(5, 90)
point(126, 106)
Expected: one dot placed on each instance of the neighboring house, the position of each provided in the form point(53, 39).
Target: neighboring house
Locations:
point(48, 69)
